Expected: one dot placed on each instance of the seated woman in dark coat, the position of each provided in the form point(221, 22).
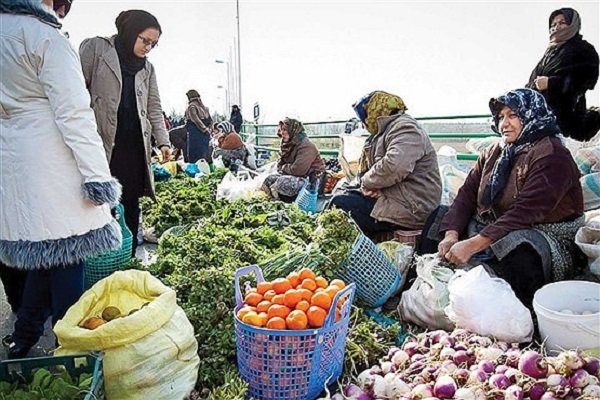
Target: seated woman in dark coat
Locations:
point(300, 159)
point(520, 205)
point(567, 70)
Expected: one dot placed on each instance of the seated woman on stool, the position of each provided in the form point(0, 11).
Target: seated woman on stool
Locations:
point(300, 160)
point(521, 204)
point(398, 184)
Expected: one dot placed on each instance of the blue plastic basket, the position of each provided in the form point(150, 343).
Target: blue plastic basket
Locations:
point(102, 265)
point(376, 277)
point(291, 365)
point(307, 198)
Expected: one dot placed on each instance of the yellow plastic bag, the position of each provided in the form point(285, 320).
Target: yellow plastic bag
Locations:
point(150, 354)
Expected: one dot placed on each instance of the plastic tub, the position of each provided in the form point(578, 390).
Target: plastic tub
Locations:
point(562, 330)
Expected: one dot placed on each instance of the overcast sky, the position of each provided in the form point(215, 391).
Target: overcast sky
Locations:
point(313, 59)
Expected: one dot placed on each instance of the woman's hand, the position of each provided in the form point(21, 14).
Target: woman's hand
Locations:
point(166, 153)
point(461, 252)
point(541, 82)
point(375, 193)
point(449, 240)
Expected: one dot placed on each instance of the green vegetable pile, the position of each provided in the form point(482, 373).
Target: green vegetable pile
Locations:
point(45, 385)
point(212, 239)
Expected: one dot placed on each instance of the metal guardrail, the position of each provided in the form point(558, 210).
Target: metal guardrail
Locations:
point(332, 152)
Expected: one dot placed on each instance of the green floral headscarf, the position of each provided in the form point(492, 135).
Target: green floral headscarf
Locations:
point(377, 104)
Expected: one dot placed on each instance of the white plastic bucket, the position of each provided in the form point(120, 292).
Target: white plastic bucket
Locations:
point(564, 331)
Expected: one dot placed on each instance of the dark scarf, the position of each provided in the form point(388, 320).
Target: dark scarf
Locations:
point(129, 25)
point(297, 134)
point(560, 37)
point(538, 122)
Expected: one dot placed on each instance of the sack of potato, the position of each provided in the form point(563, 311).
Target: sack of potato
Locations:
point(149, 344)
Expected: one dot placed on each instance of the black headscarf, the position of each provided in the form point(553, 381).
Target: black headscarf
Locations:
point(129, 25)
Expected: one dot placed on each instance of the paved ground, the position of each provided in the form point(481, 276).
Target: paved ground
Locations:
point(46, 344)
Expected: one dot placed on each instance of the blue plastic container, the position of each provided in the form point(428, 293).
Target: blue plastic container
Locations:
point(376, 277)
point(286, 364)
point(307, 198)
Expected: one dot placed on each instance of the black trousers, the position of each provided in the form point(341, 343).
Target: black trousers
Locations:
point(132, 219)
point(14, 284)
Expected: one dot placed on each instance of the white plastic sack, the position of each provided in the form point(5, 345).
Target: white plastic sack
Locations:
point(424, 303)
point(477, 146)
point(590, 185)
point(452, 180)
point(349, 153)
point(588, 159)
point(488, 306)
point(588, 240)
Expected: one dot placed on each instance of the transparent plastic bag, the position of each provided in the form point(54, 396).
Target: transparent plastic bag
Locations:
point(425, 301)
point(488, 306)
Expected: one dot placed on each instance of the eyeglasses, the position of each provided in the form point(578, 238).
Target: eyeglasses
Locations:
point(148, 42)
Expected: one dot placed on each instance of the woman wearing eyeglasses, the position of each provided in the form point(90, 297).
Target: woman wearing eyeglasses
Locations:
point(567, 70)
point(125, 99)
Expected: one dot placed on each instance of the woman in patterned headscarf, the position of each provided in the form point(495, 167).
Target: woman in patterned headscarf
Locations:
point(567, 70)
point(398, 184)
point(229, 145)
point(521, 204)
point(300, 159)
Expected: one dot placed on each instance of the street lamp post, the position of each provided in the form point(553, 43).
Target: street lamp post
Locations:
point(228, 90)
point(226, 106)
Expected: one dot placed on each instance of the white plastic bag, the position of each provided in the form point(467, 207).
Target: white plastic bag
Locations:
point(588, 240)
point(424, 303)
point(400, 254)
point(349, 153)
point(249, 143)
point(477, 146)
point(590, 185)
point(488, 306)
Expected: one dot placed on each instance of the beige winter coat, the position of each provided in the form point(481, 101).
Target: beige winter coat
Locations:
point(403, 165)
point(102, 73)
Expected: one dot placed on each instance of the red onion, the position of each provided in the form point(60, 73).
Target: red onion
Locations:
point(499, 381)
point(537, 391)
point(512, 374)
point(556, 380)
point(447, 353)
point(418, 357)
point(392, 351)
point(400, 358)
point(514, 392)
point(460, 333)
point(549, 396)
point(570, 360)
point(532, 364)
point(415, 367)
point(591, 391)
point(460, 346)
point(512, 357)
point(447, 367)
point(444, 387)
point(421, 391)
point(447, 341)
point(429, 374)
point(461, 358)
point(486, 366)
point(592, 366)
point(461, 376)
point(464, 394)
point(435, 336)
point(352, 391)
point(579, 378)
point(338, 396)
point(477, 376)
point(410, 348)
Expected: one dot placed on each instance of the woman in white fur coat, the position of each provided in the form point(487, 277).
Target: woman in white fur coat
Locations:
point(55, 188)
